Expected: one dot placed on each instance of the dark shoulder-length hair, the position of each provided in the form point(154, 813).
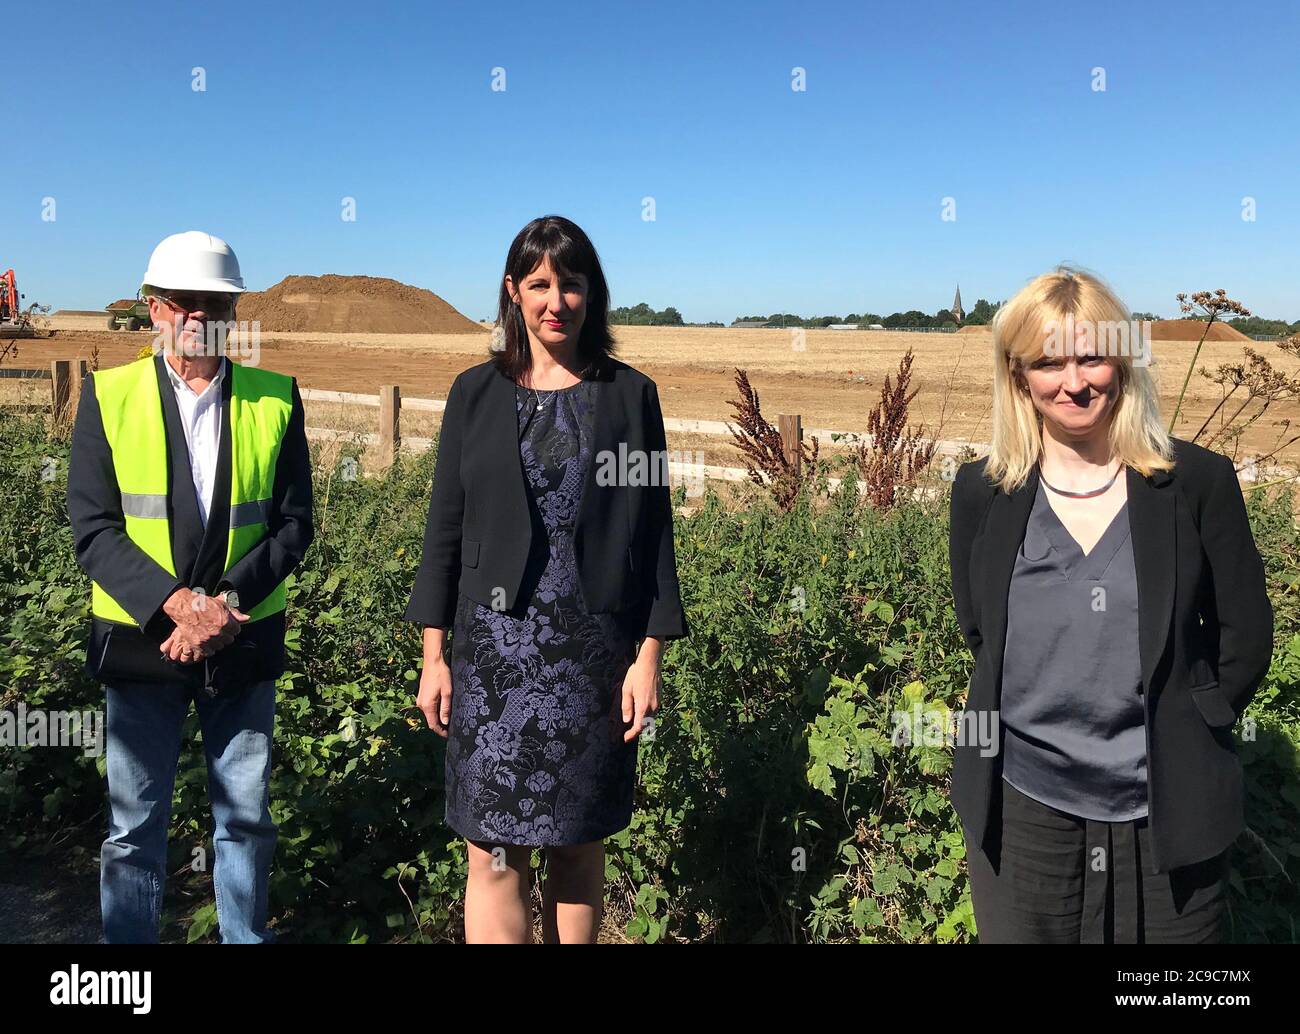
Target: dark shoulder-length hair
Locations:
point(570, 251)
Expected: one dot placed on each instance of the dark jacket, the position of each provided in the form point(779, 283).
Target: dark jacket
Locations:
point(141, 585)
point(1205, 631)
point(479, 530)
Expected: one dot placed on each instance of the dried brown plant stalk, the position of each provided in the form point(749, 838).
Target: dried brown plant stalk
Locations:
point(760, 444)
point(895, 455)
point(1247, 391)
point(1209, 306)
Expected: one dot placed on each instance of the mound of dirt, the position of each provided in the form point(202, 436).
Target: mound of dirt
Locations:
point(121, 303)
point(352, 304)
point(975, 329)
point(1191, 330)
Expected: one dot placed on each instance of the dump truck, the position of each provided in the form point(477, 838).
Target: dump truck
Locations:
point(129, 314)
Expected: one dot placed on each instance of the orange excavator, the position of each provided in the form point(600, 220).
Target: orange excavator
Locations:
point(10, 299)
point(16, 321)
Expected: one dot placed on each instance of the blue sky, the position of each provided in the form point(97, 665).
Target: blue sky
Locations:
point(767, 199)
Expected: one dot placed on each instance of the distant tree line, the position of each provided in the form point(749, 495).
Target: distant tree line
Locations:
point(1250, 325)
point(981, 314)
point(641, 315)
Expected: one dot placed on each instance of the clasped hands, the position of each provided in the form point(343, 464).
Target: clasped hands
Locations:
point(204, 625)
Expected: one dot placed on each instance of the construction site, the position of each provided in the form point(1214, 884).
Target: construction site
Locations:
point(346, 337)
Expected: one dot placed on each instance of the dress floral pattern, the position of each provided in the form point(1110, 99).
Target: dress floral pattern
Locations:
point(535, 751)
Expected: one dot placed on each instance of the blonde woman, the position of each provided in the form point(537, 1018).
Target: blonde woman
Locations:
point(1106, 582)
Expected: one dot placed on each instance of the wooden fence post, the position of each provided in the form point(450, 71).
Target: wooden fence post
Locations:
point(791, 428)
point(83, 370)
point(60, 388)
point(390, 423)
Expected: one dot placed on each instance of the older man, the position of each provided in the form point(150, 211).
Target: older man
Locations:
point(189, 493)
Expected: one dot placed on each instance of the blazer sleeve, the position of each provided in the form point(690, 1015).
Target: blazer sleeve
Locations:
point(965, 513)
point(1244, 612)
point(104, 550)
point(256, 574)
point(667, 619)
point(437, 581)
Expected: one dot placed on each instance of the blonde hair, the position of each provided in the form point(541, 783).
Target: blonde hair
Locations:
point(1020, 333)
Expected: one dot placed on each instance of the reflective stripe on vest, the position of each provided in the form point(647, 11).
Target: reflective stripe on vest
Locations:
point(131, 407)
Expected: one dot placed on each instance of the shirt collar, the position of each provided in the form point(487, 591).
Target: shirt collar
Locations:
point(178, 382)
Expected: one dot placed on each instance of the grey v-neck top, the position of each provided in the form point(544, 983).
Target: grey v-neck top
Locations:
point(1073, 723)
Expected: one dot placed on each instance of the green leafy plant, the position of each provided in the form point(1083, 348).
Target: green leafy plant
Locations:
point(776, 800)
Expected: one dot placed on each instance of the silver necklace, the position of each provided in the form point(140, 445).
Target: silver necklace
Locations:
point(1079, 495)
point(539, 401)
point(536, 398)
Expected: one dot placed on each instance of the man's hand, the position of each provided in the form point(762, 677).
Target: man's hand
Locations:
point(204, 625)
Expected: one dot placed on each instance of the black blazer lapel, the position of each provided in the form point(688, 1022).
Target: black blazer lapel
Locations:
point(603, 434)
point(1004, 531)
point(211, 563)
point(1152, 524)
point(503, 441)
point(182, 503)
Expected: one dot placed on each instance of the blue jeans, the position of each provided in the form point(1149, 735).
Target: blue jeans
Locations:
point(144, 738)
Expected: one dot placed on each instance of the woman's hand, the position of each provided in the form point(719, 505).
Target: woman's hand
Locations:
point(434, 699)
point(641, 688)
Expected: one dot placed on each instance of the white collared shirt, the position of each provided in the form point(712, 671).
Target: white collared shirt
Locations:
point(201, 419)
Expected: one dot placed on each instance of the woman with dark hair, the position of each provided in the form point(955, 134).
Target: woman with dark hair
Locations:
point(554, 570)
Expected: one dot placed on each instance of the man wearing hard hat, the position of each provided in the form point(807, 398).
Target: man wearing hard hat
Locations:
point(189, 493)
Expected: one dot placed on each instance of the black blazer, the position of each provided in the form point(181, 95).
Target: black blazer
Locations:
point(1205, 632)
point(117, 652)
point(479, 531)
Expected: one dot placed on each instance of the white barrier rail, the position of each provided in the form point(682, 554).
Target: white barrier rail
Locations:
point(945, 447)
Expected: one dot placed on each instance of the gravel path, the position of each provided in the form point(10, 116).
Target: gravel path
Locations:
point(43, 904)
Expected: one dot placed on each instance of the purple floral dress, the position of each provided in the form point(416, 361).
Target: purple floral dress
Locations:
point(535, 751)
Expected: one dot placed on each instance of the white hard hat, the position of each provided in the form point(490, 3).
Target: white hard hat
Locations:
point(194, 261)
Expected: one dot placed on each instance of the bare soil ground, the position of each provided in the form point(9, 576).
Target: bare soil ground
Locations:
point(832, 382)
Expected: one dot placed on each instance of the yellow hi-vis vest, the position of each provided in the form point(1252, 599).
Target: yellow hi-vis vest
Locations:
point(131, 407)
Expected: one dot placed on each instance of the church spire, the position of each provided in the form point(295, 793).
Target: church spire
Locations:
point(958, 313)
